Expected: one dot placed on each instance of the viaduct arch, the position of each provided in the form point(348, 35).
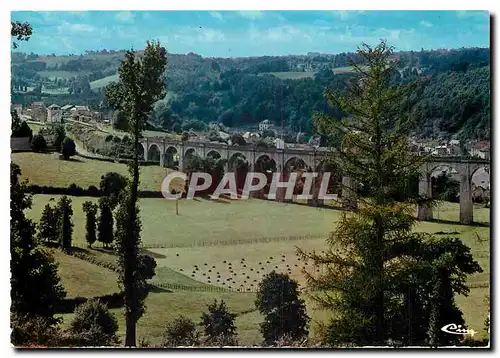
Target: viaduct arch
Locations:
point(310, 159)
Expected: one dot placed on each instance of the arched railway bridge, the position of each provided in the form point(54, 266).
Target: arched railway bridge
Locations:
point(167, 152)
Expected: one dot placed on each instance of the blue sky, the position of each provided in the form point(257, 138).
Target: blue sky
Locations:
point(252, 33)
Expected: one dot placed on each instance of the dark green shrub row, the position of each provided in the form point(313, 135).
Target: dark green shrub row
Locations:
point(68, 305)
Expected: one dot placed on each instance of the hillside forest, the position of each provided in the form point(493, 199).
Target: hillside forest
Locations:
point(452, 99)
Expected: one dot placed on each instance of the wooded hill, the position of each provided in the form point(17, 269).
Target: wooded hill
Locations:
point(452, 100)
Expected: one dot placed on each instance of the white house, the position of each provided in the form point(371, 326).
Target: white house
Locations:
point(265, 125)
point(54, 113)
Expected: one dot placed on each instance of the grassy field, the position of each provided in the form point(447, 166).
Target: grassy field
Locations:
point(60, 74)
point(292, 75)
point(347, 69)
point(48, 169)
point(35, 127)
point(229, 244)
point(203, 252)
point(103, 82)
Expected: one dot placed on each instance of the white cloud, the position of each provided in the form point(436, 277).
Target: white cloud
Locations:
point(125, 16)
point(192, 36)
point(217, 15)
point(251, 15)
point(426, 23)
point(67, 27)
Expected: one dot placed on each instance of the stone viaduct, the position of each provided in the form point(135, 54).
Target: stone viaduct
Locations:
point(165, 151)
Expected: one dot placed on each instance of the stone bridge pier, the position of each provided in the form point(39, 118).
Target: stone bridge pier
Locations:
point(164, 150)
point(466, 169)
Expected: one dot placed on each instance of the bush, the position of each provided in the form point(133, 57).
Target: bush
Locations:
point(75, 190)
point(147, 266)
point(111, 185)
point(219, 325)
point(181, 332)
point(126, 139)
point(68, 148)
point(38, 143)
point(36, 331)
point(285, 314)
point(117, 139)
point(93, 190)
point(109, 138)
point(94, 324)
point(238, 139)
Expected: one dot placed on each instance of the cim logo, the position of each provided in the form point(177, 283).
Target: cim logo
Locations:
point(452, 328)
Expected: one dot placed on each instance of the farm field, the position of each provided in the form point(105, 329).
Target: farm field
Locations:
point(35, 127)
point(48, 169)
point(253, 237)
point(292, 75)
point(103, 82)
point(205, 222)
point(203, 234)
point(60, 74)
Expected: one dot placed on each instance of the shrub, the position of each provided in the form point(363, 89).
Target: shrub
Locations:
point(94, 325)
point(126, 139)
point(36, 331)
point(38, 143)
point(111, 185)
point(238, 139)
point(219, 325)
point(117, 139)
point(109, 138)
point(147, 266)
point(285, 314)
point(181, 331)
point(93, 190)
point(68, 148)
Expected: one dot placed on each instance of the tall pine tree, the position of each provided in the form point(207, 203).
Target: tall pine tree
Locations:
point(376, 272)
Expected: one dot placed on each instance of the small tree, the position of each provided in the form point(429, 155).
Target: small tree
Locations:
point(94, 325)
point(68, 148)
point(181, 331)
point(105, 226)
point(284, 313)
point(38, 143)
point(90, 209)
point(59, 136)
point(19, 128)
point(112, 184)
point(219, 325)
point(65, 226)
point(48, 224)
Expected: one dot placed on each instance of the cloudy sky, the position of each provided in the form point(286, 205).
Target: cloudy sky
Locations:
point(252, 33)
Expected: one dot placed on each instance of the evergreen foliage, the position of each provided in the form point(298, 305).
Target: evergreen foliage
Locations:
point(379, 276)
